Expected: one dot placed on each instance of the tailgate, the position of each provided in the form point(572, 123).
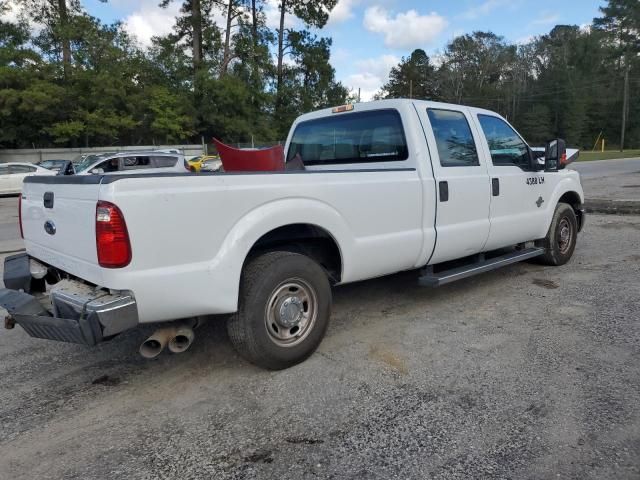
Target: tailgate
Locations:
point(58, 221)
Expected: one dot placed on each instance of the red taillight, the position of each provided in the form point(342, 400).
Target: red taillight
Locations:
point(20, 215)
point(112, 238)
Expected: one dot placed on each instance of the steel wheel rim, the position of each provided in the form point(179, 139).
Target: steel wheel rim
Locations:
point(291, 312)
point(565, 235)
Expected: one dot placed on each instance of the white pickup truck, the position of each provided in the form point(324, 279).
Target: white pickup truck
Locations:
point(380, 187)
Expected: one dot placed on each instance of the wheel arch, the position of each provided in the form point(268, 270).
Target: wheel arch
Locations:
point(307, 238)
point(268, 225)
point(572, 198)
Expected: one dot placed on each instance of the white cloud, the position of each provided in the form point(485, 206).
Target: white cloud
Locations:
point(371, 75)
point(149, 20)
point(586, 27)
point(342, 11)
point(525, 39)
point(12, 13)
point(272, 12)
point(546, 18)
point(405, 30)
point(15, 11)
point(484, 8)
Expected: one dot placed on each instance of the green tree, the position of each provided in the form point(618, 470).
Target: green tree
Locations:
point(476, 68)
point(314, 13)
point(621, 24)
point(309, 82)
point(413, 77)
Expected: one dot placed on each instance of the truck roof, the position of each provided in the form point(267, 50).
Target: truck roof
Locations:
point(392, 103)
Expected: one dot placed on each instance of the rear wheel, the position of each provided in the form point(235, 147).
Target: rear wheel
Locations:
point(283, 311)
point(560, 241)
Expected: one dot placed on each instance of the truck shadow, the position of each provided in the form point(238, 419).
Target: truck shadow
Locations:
point(369, 304)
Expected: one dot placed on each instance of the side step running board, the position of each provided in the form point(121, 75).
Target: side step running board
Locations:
point(431, 279)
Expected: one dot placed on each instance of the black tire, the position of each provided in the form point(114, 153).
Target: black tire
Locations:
point(260, 329)
point(560, 241)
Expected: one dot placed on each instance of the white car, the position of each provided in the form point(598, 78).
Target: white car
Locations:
point(156, 161)
point(12, 175)
point(368, 190)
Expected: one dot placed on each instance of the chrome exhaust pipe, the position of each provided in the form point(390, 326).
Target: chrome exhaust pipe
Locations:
point(181, 340)
point(154, 345)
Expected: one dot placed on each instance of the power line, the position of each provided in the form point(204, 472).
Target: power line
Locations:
point(530, 96)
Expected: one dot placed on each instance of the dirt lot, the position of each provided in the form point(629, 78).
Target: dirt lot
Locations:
point(526, 372)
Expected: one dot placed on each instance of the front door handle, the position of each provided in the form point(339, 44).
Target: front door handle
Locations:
point(495, 187)
point(443, 188)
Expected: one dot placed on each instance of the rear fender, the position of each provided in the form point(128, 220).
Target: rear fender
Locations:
point(233, 252)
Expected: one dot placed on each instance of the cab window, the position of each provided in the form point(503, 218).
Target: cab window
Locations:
point(505, 145)
point(456, 147)
point(361, 137)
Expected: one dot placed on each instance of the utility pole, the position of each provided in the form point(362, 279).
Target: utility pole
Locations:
point(358, 94)
point(410, 88)
point(625, 106)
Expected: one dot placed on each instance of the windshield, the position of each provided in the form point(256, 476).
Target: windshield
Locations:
point(86, 163)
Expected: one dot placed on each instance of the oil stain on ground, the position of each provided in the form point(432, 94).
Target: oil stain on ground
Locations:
point(548, 284)
point(388, 357)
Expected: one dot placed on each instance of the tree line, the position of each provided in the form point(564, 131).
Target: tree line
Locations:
point(581, 84)
point(76, 81)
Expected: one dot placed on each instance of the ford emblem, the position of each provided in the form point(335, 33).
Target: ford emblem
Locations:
point(50, 227)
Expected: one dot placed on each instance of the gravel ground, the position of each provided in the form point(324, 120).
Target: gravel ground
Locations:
point(526, 372)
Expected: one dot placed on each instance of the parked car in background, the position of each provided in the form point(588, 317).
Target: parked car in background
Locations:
point(196, 163)
point(213, 164)
point(55, 165)
point(12, 175)
point(132, 162)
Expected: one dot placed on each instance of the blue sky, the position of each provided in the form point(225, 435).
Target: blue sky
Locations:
point(370, 36)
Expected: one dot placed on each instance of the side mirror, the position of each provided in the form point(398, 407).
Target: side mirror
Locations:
point(555, 154)
point(537, 159)
point(97, 170)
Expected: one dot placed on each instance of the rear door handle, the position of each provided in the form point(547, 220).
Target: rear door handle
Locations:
point(443, 188)
point(495, 187)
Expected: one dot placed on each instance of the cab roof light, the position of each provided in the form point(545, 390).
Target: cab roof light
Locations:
point(342, 108)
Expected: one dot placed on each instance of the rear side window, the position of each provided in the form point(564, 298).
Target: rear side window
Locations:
point(506, 147)
point(133, 163)
point(163, 162)
point(362, 137)
point(22, 169)
point(456, 147)
point(4, 169)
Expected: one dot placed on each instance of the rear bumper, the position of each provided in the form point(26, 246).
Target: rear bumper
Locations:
point(75, 312)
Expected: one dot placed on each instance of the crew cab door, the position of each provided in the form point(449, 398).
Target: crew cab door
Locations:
point(518, 192)
point(462, 183)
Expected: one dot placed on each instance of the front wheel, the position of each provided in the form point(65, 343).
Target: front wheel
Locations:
point(283, 311)
point(560, 241)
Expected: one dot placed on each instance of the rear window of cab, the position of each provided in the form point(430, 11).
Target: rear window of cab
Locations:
point(359, 137)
